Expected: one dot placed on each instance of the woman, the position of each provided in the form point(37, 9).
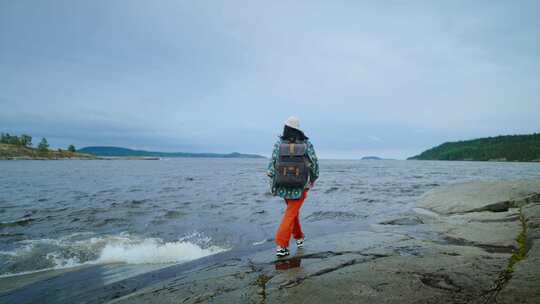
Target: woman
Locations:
point(293, 169)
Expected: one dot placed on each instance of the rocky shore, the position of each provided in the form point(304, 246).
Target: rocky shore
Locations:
point(476, 242)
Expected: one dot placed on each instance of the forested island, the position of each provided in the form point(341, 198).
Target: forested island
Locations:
point(125, 152)
point(525, 148)
point(20, 147)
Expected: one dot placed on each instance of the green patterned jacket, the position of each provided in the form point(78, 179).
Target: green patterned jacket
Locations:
point(292, 193)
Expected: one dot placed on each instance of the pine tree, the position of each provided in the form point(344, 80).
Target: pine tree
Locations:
point(43, 145)
point(25, 140)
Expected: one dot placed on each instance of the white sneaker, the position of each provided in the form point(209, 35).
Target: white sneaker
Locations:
point(300, 243)
point(282, 251)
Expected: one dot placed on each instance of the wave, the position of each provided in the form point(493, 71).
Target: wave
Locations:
point(54, 254)
point(20, 222)
point(154, 251)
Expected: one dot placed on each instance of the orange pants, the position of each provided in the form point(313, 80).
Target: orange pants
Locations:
point(290, 224)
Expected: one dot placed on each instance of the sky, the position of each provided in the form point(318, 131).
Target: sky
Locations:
point(385, 78)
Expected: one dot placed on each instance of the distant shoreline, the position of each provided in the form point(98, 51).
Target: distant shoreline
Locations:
point(78, 158)
point(107, 151)
point(21, 158)
point(18, 152)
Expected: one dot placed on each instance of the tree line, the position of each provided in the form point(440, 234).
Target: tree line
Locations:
point(25, 140)
point(509, 148)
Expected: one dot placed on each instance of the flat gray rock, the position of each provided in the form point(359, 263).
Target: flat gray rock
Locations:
point(464, 197)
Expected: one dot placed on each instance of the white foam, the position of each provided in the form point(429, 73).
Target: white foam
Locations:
point(62, 263)
point(153, 251)
point(122, 248)
point(259, 243)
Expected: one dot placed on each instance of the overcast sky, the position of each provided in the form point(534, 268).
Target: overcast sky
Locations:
point(387, 78)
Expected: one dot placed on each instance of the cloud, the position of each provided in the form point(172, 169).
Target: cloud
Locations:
point(374, 138)
point(203, 76)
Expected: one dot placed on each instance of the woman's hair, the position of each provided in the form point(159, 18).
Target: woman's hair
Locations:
point(293, 134)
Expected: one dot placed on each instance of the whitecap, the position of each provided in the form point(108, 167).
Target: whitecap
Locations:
point(124, 248)
point(154, 251)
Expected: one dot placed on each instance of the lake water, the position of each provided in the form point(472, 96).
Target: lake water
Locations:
point(61, 214)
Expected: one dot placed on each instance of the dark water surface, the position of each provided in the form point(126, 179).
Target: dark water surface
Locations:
point(61, 214)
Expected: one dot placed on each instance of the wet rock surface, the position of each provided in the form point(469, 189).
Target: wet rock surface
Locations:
point(480, 244)
point(479, 196)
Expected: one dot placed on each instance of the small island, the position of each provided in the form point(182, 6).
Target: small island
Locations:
point(20, 147)
point(522, 148)
point(371, 158)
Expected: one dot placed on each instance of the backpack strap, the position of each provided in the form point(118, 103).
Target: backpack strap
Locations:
point(292, 149)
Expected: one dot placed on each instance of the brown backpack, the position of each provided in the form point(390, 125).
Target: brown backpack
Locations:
point(292, 167)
